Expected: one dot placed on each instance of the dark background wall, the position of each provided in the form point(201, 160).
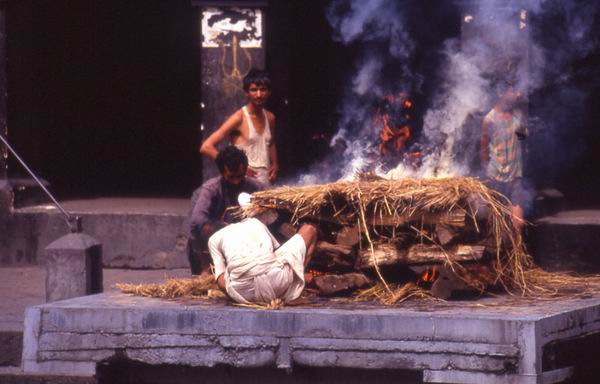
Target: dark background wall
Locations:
point(103, 95)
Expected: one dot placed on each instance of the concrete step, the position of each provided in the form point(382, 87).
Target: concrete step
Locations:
point(14, 375)
point(567, 241)
point(547, 202)
point(134, 232)
point(11, 348)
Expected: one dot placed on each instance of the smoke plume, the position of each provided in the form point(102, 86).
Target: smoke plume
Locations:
point(531, 45)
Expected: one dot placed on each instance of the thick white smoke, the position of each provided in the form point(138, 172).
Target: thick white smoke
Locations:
point(500, 44)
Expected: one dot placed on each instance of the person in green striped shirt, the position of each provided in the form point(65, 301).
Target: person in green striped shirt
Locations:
point(502, 150)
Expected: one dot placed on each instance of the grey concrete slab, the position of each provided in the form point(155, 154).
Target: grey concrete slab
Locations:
point(491, 340)
point(22, 287)
point(134, 232)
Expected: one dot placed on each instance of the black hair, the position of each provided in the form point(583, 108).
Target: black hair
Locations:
point(231, 157)
point(258, 77)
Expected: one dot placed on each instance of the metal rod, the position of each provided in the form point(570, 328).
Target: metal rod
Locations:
point(70, 219)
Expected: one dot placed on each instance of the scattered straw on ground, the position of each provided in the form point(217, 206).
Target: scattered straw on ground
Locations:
point(196, 287)
point(274, 304)
point(393, 293)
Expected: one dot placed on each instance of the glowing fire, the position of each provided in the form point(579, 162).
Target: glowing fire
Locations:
point(429, 275)
point(394, 114)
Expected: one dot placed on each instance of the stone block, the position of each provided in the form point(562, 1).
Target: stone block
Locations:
point(11, 343)
point(73, 267)
point(567, 241)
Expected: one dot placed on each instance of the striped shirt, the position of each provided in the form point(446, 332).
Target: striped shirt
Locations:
point(506, 153)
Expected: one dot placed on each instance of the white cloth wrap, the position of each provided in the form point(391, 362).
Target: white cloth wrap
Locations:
point(253, 272)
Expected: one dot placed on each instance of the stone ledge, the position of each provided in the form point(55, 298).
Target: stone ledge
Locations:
point(456, 339)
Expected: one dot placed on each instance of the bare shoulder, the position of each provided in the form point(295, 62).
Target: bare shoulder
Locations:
point(237, 116)
point(233, 122)
point(271, 117)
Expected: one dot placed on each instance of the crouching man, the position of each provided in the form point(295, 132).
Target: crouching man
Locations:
point(251, 267)
point(210, 203)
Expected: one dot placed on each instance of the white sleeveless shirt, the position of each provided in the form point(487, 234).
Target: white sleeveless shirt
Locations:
point(257, 146)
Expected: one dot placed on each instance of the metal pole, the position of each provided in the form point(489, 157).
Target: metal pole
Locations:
point(74, 223)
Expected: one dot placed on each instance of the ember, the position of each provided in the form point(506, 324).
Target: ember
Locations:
point(429, 275)
point(395, 115)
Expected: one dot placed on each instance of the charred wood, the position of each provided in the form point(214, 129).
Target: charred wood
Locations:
point(455, 218)
point(446, 233)
point(348, 236)
point(474, 278)
point(329, 285)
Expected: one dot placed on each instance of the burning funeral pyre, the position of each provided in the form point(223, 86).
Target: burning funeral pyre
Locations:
point(399, 239)
point(445, 235)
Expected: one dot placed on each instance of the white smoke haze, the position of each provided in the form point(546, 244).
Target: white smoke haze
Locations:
point(367, 78)
point(373, 20)
point(499, 45)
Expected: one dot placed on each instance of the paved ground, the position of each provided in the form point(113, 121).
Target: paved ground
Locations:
point(21, 287)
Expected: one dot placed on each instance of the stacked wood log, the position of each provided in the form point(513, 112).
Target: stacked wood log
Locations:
point(380, 228)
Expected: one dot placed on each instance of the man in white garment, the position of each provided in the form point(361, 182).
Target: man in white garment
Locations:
point(251, 267)
point(251, 129)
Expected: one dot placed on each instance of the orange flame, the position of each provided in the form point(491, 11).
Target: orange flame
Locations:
point(393, 137)
point(429, 275)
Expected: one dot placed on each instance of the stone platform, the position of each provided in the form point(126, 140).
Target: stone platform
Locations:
point(489, 340)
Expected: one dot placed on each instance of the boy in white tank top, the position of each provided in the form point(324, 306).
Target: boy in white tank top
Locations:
point(251, 129)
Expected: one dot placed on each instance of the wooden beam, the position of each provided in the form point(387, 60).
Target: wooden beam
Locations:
point(389, 254)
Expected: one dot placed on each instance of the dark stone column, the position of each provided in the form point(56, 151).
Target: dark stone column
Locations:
point(3, 91)
point(227, 54)
point(73, 267)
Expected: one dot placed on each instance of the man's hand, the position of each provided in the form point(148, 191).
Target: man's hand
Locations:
point(273, 171)
point(221, 282)
point(251, 172)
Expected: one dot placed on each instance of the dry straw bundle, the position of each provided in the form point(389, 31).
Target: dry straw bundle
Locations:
point(361, 201)
point(196, 287)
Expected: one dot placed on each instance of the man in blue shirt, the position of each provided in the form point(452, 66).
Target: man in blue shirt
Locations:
point(210, 203)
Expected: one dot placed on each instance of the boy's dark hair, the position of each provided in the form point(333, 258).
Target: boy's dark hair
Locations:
point(231, 157)
point(258, 77)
